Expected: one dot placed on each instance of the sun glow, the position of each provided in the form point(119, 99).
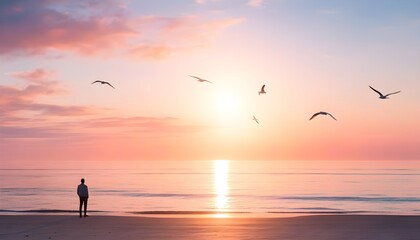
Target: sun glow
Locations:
point(227, 102)
point(230, 107)
point(221, 186)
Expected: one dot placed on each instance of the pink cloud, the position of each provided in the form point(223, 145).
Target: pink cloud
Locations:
point(255, 3)
point(34, 28)
point(24, 116)
point(12, 96)
point(202, 2)
point(135, 125)
point(93, 127)
point(14, 100)
point(99, 27)
point(36, 76)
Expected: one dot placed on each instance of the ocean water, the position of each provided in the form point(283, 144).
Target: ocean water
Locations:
point(266, 188)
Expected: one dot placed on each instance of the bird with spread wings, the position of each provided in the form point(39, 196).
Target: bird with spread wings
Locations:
point(322, 113)
point(381, 96)
point(103, 82)
point(200, 79)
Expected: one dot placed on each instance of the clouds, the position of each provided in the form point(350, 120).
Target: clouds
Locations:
point(252, 3)
point(137, 124)
point(35, 27)
point(24, 116)
point(168, 36)
point(21, 113)
point(90, 28)
point(255, 3)
point(14, 101)
point(152, 51)
point(202, 2)
point(36, 76)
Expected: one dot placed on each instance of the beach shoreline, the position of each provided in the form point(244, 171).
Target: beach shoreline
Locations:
point(139, 227)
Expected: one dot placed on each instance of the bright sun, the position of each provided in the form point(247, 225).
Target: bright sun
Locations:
point(227, 102)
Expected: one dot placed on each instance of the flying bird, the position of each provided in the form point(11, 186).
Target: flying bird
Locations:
point(103, 82)
point(322, 113)
point(255, 119)
point(381, 96)
point(262, 90)
point(200, 79)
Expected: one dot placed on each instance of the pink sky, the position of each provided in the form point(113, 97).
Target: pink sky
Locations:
point(312, 57)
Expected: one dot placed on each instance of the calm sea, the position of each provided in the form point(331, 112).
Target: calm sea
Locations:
point(270, 188)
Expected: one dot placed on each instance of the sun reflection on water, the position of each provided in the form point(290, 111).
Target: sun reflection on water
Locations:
point(221, 186)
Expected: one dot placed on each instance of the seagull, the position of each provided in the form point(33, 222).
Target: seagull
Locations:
point(322, 113)
point(255, 119)
point(103, 82)
point(200, 79)
point(262, 90)
point(381, 96)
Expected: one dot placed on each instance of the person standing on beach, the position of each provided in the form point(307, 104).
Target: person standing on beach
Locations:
point(82, 191)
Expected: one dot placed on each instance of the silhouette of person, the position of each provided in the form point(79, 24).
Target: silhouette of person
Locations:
point(82, 191)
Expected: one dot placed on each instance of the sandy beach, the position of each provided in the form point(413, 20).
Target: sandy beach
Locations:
point(305, 227)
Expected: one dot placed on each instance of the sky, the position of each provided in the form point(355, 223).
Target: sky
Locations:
point(311, 55)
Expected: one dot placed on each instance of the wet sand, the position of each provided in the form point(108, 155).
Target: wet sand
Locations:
point(305, 227)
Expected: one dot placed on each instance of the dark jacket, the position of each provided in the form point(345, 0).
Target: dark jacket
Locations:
point(82, 190)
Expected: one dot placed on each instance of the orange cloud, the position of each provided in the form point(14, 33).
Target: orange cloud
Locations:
point(163, 37)
point(152, 52)
point(194, 29)
point(135, 125)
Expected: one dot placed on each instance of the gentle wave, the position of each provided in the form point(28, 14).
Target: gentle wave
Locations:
point(346, 172)
point(44, 211)
point(322, 212)
point(185, 212)
point(52, 211)
point(352, 199)
point(135, 194)
point(201, 188)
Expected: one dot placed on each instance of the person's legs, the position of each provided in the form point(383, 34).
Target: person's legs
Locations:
point(80, 206)
point(86, 200)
